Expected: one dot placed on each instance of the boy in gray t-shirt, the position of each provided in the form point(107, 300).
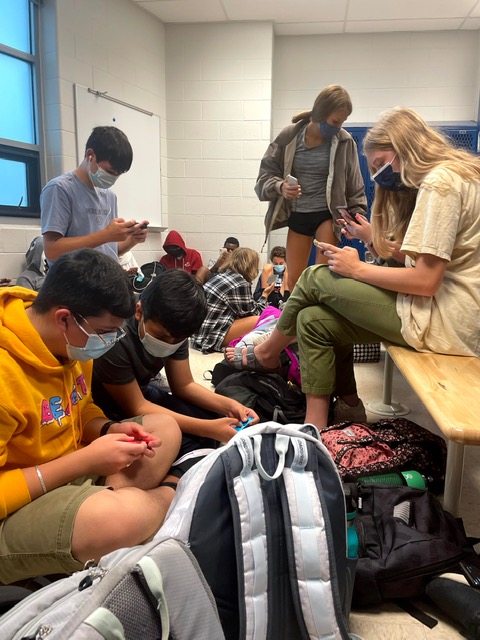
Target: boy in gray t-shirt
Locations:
point(79, 210)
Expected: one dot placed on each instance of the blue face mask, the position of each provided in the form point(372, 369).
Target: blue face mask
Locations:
point(387, 178)
point(101, 178)
point(94, 348)
point(328, 130)
point(278, 268)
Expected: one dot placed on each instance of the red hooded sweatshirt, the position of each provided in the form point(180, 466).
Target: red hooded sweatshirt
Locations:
point(191, 260)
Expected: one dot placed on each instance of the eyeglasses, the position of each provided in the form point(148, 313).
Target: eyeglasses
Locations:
point(119, 331)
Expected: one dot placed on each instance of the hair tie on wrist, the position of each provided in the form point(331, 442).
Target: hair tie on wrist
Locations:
point(106, 427)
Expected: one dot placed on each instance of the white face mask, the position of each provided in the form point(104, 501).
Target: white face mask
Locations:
point(155, 347)
point(101, 178)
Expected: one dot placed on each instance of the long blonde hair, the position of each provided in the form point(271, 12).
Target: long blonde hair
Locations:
point(331, 99)
point(243, 261)
point(420, 149)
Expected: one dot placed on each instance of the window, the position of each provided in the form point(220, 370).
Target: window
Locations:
point(19, 132)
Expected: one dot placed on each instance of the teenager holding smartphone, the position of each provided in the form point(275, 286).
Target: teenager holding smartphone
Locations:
point(322, 158)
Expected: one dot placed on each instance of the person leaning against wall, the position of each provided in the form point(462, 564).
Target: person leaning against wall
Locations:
point(78, 209)
point(427, 199)
point(274, 271)
point(323, 158)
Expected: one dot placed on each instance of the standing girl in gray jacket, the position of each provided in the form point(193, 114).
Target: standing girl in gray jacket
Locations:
point(323, 159)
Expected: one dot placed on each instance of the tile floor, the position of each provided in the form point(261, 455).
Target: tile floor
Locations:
point(388, 622)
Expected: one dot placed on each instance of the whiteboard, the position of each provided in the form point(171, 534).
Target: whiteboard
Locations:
point(138, 191)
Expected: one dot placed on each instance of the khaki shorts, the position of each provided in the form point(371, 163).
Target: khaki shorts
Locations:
point(36, 540)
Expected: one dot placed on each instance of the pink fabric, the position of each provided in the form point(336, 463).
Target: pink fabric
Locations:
point(267, 316)
point(267, 321)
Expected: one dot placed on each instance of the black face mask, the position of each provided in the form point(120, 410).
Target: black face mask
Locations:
point(175, 252)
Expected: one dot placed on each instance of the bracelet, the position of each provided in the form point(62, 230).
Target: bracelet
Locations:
point(42, 481)
point(106, 427)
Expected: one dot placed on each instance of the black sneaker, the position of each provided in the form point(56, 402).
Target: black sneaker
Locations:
point(187, 461)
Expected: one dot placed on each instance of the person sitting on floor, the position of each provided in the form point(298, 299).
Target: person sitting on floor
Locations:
point(427, 198)
point(34, 275)
point(67, 472)
point(179, 256)
point(274, 271)
point(170, 309)
point(232, 311)
point(229, 245)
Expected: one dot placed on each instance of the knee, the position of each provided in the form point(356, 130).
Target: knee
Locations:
point(93, 533)
point(164, 427)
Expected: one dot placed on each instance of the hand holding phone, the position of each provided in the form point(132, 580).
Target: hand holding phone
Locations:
point(347, 216)
point(291, 181)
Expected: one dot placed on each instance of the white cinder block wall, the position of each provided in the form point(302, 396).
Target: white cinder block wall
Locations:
point(219, 80)
point(222, 91)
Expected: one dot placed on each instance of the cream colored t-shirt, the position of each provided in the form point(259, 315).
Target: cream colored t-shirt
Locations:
point(445, 223)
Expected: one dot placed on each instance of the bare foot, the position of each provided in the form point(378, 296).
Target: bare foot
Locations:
point(264, 359)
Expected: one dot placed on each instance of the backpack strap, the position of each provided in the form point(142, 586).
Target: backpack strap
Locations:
point(253, 541)
point(154, 580)
point(309, 547)
point(281, 447)
point(106, 623)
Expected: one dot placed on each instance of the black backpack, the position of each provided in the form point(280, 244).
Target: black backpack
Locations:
point(405, 539)
point(266, 393)
point(149, 270)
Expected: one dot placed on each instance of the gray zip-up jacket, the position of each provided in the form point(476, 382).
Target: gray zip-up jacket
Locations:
point(344, 183)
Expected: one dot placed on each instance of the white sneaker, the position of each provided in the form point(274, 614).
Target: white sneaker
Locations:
point(343, 411)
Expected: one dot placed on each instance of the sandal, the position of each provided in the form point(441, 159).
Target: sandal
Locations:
point(252, 364)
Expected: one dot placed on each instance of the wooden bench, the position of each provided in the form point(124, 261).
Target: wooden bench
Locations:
point(449, 388)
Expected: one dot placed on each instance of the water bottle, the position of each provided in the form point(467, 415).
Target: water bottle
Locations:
point(352, 536)
point(400, 478)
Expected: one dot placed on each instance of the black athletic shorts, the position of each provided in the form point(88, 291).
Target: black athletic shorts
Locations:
point(307, 223)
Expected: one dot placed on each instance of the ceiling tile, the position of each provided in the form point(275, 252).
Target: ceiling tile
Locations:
point(185, 10)
point(311, 17)
point(404, 9)
point(292, 11)
point(380, 26)
point(471, 23)
point(308, 28)
point(475, 13)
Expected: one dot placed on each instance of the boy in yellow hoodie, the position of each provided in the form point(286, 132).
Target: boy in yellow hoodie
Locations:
point(59, 454)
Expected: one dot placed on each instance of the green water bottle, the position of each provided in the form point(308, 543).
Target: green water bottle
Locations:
point(401, 478)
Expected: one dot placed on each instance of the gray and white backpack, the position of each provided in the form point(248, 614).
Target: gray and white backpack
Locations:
point(265, 517)
point(154, 591)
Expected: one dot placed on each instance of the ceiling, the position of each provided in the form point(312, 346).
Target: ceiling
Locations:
point(311, 17)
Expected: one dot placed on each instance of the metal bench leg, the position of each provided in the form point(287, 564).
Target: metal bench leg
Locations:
point(387, 407)
point(454, 477)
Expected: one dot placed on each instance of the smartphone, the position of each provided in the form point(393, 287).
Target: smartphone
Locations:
point(291, 181)
point(343, 209)
point(144, 226)
point(272, 278)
